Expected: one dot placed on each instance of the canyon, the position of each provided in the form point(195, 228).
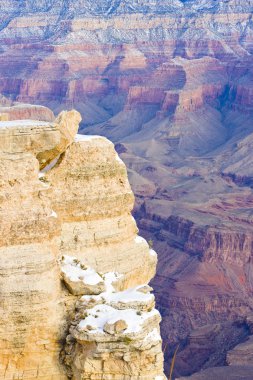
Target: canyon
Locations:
point(171, 84)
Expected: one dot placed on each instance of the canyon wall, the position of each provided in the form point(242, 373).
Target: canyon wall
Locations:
point(74, 296)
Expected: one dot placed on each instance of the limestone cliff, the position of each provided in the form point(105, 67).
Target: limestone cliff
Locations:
point(73, 272)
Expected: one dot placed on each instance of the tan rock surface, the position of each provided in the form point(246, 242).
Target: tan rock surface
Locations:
point(93, 200)
point(114, 337)
point(31, 315)
point(67, 125)
point(79, 206)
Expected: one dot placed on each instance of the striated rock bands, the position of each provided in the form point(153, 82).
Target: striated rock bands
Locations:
point(114, 335)
point(71, 221)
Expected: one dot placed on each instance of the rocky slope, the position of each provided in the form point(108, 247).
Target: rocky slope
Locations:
point(74, 296)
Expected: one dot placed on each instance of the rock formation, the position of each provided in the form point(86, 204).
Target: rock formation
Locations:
point(74, 296)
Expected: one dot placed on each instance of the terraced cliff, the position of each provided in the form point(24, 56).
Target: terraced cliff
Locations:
point(73, 272)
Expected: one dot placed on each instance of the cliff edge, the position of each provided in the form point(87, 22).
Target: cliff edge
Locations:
point(73, 272)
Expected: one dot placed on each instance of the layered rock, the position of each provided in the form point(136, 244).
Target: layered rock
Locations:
point(23, 111)
point(78, 205)
point(241, 354)
point(96, 219)
point(20, 111)
point(32, 316)
point(223, 373)
point(114, 335)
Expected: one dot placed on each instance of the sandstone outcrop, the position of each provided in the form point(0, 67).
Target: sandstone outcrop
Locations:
point(74, 299)
point(114, 334)
point(67, 125)
point(31, 312)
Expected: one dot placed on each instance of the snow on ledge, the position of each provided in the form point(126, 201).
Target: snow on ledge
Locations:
point(129, 296)
point(75, 272)
point(118, 159)
point(23, 123)
point(80, 138)
point(140, 240)
point(153, 336)
point(109, 279)
point(152, 253)
point(99, 315)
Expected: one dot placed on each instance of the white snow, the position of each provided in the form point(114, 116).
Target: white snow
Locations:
point(159, 378)
point(22, 123)
point(99, 315)
point(153, 336)
point(53, 214)
point(41, 175)
point(152, 253)
point(129, 295)
point(139, 240)
point(119, 160)
point(126, 296)
point(109, 279)
point(85, 137)
point(72, 269)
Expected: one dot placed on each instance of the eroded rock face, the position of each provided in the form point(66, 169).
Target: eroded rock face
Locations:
point(79, 205)
point(114, 334)
point(31, 313)
point(96, 219)
point(241, 354)
point(67, 125)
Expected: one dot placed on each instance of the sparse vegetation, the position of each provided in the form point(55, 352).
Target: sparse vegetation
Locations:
point(173, 363)
point(150, 243)
point(127, 340)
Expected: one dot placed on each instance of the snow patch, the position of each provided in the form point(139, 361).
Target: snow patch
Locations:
point(53, 214)
point(41, 175)
point(79, 138)
point(126, 296)
point(129, 295)
point(152, 253)
point(153, 336)
point(119, 160)
point(75, 272)
point(109, 279)
point(139, 240)
point(99, 315)
point(23, 123)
